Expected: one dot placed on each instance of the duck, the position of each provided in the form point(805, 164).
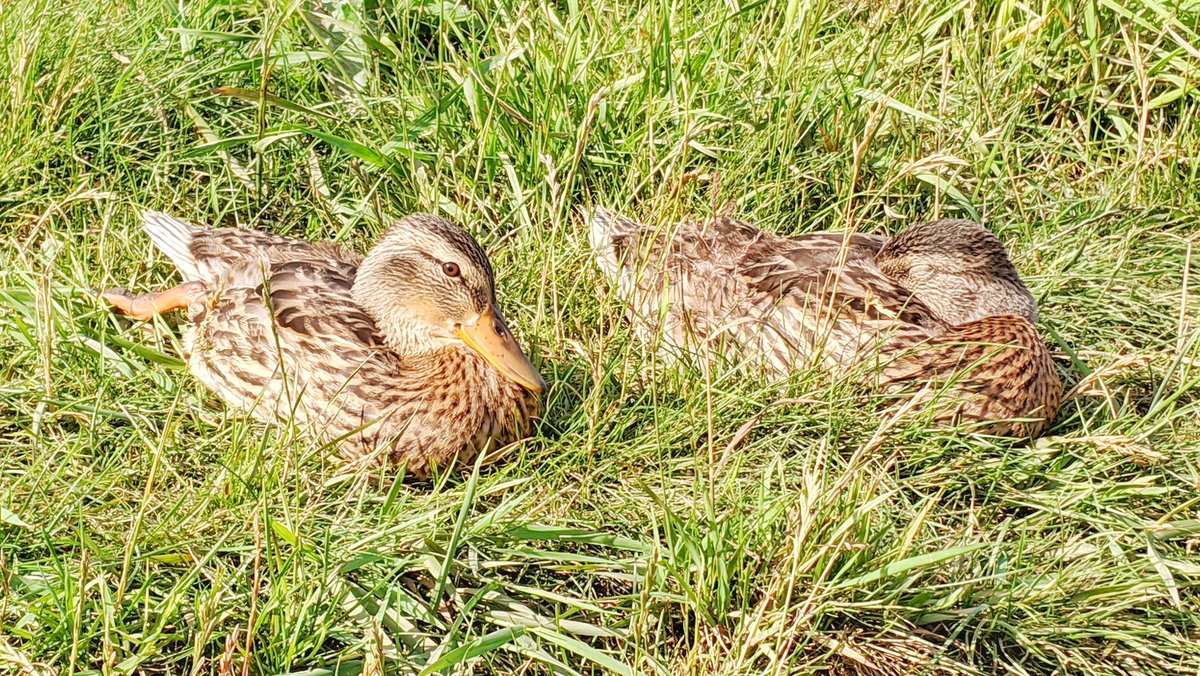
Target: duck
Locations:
point(400, 356)
point(937, 313)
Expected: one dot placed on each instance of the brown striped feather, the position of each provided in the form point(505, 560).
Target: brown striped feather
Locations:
point(725, 287)
point(281, 336)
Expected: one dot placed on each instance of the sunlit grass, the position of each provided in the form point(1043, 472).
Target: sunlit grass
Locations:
point(665, 519)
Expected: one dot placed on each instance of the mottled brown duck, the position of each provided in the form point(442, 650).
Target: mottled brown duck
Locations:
point(938, 310)
point(402, 354)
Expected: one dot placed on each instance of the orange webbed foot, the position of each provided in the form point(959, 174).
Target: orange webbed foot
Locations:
point(144, 306)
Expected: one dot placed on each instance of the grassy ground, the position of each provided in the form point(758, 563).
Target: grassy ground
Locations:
point(665, 520)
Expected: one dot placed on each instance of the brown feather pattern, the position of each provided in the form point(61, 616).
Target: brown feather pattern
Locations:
point(723, 287)
point(280, 335)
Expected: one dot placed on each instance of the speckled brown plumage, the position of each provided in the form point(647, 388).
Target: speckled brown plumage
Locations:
point(280, 329)
point(959, 267)
point(996, 370)
point(724, 287)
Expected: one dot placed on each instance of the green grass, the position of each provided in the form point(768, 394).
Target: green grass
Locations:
point(665, 519)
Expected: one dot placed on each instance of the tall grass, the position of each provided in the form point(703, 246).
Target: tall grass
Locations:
point(665, 519)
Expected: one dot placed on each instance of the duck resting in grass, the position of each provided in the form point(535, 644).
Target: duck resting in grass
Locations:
point(939, 309)
point(402, 354)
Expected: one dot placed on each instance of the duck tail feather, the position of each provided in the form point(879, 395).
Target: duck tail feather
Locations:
point(608, 233)
point(173, 237)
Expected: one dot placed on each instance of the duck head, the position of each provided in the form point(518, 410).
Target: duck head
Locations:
point(957, 268)
point(429, 286)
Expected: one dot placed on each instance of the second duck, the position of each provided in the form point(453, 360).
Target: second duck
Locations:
point(939, 308)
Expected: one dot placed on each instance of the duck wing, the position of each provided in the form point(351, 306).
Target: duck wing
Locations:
point(294, 346)
point(830, 271)
point(680, 283)
point(725, 284)
point(216, 255)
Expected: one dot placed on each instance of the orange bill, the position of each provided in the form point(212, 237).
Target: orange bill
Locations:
point(491, 338)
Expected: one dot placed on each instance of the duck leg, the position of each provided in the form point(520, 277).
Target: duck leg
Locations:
point(144, 306)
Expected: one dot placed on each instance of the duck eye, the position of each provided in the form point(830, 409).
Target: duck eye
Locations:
point(451, 269)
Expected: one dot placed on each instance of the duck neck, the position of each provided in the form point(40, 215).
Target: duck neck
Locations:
point(422, 355)
point(404, 338)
